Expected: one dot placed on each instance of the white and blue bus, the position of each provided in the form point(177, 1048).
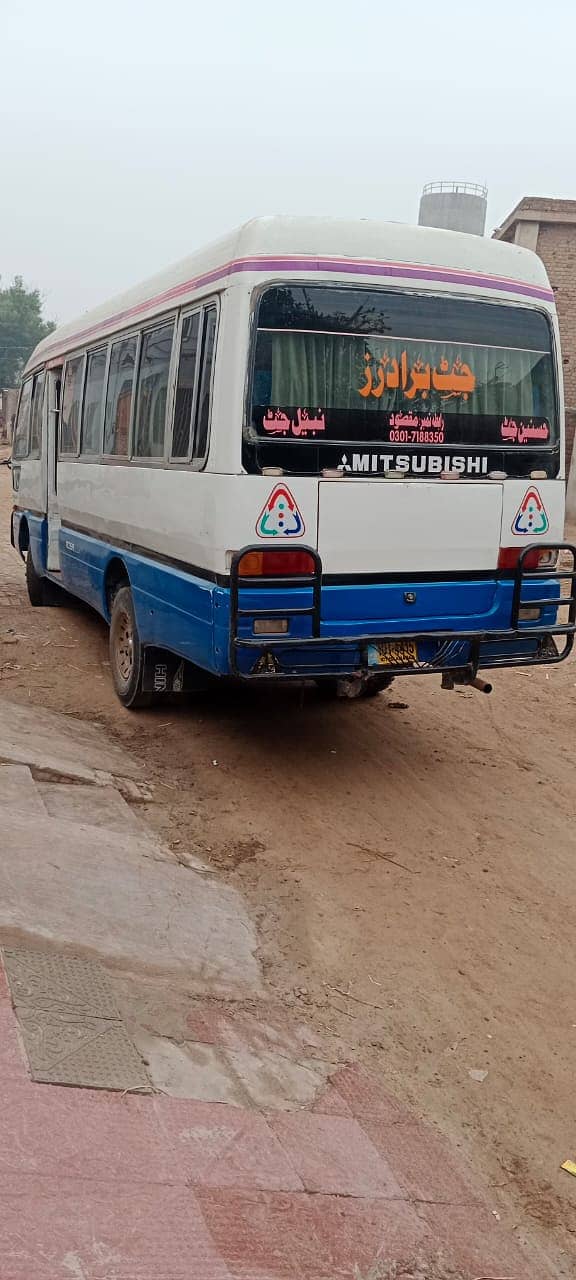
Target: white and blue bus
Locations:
point(318, 450)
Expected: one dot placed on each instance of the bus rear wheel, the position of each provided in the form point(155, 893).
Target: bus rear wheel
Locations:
point(126, 652)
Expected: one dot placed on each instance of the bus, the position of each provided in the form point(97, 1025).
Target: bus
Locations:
point(319, 450)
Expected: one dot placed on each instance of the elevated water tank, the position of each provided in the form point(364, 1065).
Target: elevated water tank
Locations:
point(456, 206)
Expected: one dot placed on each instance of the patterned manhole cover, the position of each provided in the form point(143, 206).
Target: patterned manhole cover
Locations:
point(70, 1023)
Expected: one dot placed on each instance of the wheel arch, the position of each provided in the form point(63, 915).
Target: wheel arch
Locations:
point(116, 575)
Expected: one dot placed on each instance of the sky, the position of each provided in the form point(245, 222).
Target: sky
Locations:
point(134, 131)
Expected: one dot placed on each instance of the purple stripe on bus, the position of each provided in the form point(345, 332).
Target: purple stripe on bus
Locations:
point(348, 266)
point(395, 270)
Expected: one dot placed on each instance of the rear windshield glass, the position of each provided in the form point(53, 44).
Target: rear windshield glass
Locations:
point(353, 367)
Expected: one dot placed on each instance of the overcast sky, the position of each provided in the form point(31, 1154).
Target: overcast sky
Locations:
point(134, 131)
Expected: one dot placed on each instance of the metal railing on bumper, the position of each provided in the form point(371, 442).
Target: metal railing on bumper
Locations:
point(452, 650)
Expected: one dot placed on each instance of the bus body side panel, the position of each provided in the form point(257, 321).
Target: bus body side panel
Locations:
point(174, 609)
point(197, 518)
point(29, 485)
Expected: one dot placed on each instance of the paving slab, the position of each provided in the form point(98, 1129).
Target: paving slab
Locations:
point(72, 1229)
point(80, 1133)
point(102, 892)
point(193, 1071)
point(264, 1081)
point(94, 806)
point(333, 1155)
point(61, 744)
point(425, 1164)
point(18, 790)
point(296, 1237)
point(276, 1081)
point(223, 1146)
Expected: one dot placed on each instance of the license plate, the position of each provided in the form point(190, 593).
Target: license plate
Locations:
point(393, 653)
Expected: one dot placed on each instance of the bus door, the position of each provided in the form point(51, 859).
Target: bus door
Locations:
point(52, 434)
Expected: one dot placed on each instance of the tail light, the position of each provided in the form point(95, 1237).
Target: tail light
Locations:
point(538, 558)
point(276, 564)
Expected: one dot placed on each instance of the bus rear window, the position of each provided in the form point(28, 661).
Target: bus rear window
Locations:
point(351, 367)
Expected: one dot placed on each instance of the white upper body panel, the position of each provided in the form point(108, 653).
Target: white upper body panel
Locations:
point(330, 248)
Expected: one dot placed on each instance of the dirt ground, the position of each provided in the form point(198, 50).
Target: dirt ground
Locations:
point(410, 863)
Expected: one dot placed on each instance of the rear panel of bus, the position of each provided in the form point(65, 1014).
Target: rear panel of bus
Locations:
point(431, 425)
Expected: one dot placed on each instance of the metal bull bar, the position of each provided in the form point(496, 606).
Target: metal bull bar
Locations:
point(275, 650)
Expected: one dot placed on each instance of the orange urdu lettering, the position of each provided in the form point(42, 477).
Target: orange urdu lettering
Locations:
point(366, 389)
point(420, 374)
point(378, 389)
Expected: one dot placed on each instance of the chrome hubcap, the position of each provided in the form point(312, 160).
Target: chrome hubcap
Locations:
point(124, 646)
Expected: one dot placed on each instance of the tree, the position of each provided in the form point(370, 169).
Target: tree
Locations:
point(21, 327)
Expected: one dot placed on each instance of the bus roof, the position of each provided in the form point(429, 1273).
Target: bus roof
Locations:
point(360, 251)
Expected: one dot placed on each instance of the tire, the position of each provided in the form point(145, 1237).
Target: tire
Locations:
point(39, 593)
point(126, 652)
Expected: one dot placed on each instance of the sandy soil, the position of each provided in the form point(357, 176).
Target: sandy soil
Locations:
point(411, 863)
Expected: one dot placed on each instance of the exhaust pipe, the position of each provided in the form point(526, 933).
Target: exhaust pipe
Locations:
point(482, 685)
point(449, 680)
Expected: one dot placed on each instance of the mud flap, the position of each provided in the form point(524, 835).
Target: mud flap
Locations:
point(167, 673)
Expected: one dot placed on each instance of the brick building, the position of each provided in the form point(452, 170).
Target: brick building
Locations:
point(549, 228)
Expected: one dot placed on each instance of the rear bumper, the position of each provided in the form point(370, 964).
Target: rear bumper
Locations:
point(485, 632)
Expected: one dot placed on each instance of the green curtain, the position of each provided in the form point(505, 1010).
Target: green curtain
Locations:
point(324, 371)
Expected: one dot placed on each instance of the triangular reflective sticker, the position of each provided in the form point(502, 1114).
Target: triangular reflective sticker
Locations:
point(531, 517)
point(280, 517)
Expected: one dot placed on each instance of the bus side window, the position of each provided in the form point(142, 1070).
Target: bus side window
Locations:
point(91, 436)
point(203, 408)
point(21, 429)
point(71, 403)
point(186, 386)
point(152, 392)
point(119, 397)
point(36, 415)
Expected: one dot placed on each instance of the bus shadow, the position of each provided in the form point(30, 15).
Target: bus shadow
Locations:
point(287, 726)
point(279, 723)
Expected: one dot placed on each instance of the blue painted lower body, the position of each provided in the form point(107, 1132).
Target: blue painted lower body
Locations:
point(381, 610)
point(191, 616)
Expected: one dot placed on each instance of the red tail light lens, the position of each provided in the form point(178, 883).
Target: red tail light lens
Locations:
point(539, 558)
point(508, 558)
point(276, 564)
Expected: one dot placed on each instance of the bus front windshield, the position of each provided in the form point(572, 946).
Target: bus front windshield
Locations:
point(339, 368)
